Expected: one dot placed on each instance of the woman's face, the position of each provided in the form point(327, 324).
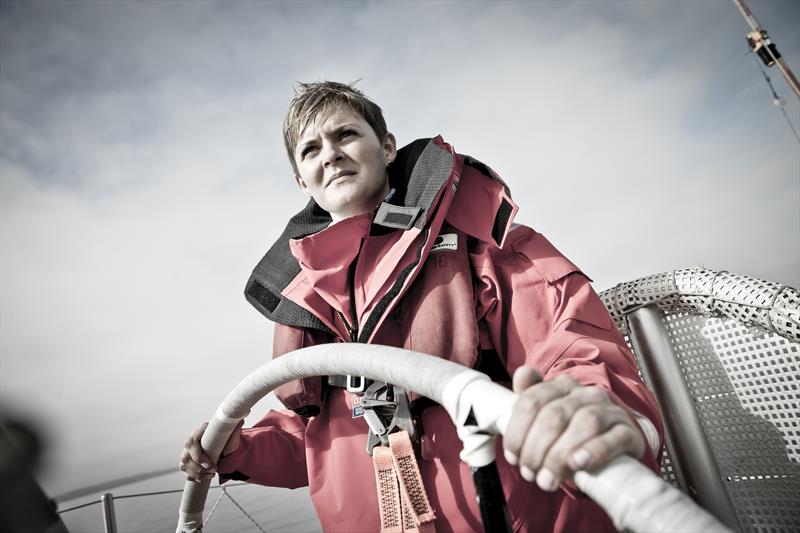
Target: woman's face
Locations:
point(342, 164)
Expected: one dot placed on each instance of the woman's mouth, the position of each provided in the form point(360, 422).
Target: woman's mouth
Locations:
point(340, 174)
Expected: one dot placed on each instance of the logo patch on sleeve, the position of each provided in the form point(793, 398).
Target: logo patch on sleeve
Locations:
point(445, 241)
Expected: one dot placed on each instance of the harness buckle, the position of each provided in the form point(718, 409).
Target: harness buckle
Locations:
point(386, 410)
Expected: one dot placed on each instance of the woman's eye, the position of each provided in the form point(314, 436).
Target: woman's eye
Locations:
point(346, 133)
point(307, 150)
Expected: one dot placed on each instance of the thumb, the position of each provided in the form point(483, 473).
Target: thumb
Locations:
point(524, 377)
point(233, 440)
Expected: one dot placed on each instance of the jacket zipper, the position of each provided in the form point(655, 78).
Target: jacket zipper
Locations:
point(394, 292)
point(351, 330)
point(385, 302)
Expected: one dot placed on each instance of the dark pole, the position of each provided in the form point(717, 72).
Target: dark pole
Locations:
point(651, 340)
point(491, 500)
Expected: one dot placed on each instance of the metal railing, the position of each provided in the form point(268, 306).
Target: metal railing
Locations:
point(110, 516)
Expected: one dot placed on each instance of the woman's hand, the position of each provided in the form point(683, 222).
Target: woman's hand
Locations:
point(195, 463)
point(558, 427)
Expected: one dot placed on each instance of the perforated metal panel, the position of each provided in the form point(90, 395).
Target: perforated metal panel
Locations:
point(746, 386)
point(667, 471)
point(766, 504)
point(731, 367)
point(737, 342)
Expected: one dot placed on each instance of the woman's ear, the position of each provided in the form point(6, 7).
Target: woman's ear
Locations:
point(302, 184)
point(390, 148)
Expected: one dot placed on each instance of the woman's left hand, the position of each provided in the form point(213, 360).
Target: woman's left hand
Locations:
point(559, 426)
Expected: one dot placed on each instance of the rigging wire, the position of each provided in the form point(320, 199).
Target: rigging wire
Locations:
point(776, 100)
point(253, 520)
point(214, 508)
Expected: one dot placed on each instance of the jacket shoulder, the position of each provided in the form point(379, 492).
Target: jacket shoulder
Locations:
point(527, 244)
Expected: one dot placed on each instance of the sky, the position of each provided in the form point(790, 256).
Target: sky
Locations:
point(143, 175)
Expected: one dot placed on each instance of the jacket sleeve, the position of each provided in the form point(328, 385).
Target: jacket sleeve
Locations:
point(303, 396)
point(536, 308)
point(271, 453)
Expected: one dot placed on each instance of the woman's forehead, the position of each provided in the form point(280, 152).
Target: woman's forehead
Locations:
point(330, 119)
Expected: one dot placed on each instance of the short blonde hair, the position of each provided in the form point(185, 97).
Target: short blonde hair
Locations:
point(321, 98)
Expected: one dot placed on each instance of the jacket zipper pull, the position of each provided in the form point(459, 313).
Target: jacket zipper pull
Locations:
point(354, 329)
point(351, 330)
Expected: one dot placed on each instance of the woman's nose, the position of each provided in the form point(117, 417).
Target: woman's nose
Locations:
point(331, 154)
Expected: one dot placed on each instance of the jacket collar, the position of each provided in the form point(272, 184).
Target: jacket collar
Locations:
point(483, 210)
point(417, 174)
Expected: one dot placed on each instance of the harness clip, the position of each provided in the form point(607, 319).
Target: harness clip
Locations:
point(386, 410)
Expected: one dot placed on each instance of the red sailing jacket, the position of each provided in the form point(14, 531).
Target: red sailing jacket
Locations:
point(443, 271)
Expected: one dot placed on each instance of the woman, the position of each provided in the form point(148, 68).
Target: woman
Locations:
point(416, 248)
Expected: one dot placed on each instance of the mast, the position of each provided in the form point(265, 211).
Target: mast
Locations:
point(765, 48)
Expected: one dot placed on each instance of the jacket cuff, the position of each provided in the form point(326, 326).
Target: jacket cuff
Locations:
point(229, 465)
point(649, 432)
point(651, 457)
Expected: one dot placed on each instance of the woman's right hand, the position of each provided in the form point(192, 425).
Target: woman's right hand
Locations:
point(195, 463)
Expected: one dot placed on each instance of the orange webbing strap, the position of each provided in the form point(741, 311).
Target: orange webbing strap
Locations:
point(412, 490)
point(388, 491)
point(404, 505)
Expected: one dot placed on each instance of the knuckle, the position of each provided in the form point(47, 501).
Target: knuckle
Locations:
point(589, 419)
point(601, 450)
point(596, 394)
point(530, 458)
point(529, 402)
point(629, 437)
point(621, 415)
point(553, 415)
point(511, 447)
point(513, 439)
point(593, 410)
point(564, 380)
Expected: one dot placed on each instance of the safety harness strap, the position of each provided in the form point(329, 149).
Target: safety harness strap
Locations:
point(388, 491)
point(403, 503)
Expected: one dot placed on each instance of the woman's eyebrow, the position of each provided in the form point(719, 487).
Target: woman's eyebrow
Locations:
point(305, 142)
point(340, 127)
point(335, 129)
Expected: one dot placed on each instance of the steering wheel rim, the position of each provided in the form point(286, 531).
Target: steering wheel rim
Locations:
point(633, 496)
